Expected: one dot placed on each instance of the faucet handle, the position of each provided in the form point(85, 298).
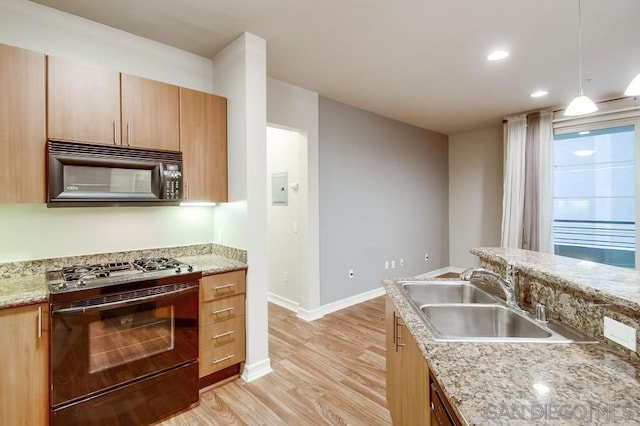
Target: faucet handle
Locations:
point(541, 313)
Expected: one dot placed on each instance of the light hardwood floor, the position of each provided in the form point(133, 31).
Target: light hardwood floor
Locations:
point(326, 372)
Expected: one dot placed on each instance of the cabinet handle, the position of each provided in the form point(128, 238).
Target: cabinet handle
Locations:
point(216, 361)
point(228, 333)
point(186, 190)
point(128, 133)
point(221, 311)
point(396, 326)
point(39, 322)
point(114, 132)
point(222, 287)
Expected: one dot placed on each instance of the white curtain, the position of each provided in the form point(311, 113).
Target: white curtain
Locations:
point(527, 208)
point(513, 187)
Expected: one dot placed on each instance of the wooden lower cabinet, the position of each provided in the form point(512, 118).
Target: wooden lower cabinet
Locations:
point(24, 377)
point(407, 374)
point(442, 413)
point(222, 326)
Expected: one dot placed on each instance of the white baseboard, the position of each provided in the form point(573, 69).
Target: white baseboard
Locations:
point(436, 272)
point(283, 301)
point(317, 313)
point(350, 301)
point(256, 370)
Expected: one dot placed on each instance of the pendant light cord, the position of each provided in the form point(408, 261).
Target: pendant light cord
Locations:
point(581, 93)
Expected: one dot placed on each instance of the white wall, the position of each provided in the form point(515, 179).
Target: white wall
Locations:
point(285, 250)
point(475, 193)
point(295, 108)
point(33, 231)
point(240, 74)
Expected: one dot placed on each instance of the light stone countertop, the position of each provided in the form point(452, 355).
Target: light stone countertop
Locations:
point(26, 290)
point(21, 291)
point(213, 264)
point(528, 383)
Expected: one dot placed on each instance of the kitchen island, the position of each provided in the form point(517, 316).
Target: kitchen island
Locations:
point(539, 383)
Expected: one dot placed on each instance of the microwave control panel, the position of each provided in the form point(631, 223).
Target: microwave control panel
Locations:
point(173, 182)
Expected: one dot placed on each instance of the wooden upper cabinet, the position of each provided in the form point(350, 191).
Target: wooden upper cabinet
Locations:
point(150, 113)
point(22, 126)
point(83, 102)
point(203, 142)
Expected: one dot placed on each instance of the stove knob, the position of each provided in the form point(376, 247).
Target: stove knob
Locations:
point(190, 268)
point(178, 270)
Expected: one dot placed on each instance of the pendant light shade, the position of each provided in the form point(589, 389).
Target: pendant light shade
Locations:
point(581, 104)
point(634, 87)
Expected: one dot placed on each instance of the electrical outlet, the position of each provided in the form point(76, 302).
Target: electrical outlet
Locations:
point(393, 264)
point(426, 257)
point(620, 333)
point(386, 264)
point(401, 262)
point(286, 277)
point(351, 274)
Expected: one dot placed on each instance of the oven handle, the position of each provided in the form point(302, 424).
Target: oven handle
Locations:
point(120, 303)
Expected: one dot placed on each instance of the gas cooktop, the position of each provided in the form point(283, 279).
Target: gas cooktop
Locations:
point(80, 277)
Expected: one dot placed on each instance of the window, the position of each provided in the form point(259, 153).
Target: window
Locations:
point(595, 202)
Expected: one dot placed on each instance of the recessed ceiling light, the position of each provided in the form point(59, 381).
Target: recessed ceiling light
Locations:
point(586, 132)
point(539, 93)
point(496, 55)
point(584, 152)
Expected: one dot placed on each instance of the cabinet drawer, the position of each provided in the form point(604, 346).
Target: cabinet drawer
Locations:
point(221, 309)
point(223, 333)
point(215, 359)
point(222, 285)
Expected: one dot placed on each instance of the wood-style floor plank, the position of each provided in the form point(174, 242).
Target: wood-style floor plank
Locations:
point(327, 372)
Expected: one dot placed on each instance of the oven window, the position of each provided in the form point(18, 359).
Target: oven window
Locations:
point(106, 179)
point(119, 336)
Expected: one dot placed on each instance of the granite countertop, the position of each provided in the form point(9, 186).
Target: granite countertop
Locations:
point(26, 290)
point(213, 264)
point(21, 291)
point(528, 383)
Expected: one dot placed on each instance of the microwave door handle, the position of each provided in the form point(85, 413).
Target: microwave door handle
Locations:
point(121, 303)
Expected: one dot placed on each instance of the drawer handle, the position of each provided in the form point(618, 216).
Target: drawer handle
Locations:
point(222, 287)
point(217, 361)
point(228, 333)
point(220, 311)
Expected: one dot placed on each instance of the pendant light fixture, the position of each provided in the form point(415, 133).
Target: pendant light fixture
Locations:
point(634, 87)
point(581, 104)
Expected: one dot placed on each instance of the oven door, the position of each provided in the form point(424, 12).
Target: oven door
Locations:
point(113, 340)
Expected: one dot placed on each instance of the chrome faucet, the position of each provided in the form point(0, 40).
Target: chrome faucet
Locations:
point(507, 284)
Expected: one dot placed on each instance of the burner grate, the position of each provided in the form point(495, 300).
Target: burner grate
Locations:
point(156, 263)
point(76, 272)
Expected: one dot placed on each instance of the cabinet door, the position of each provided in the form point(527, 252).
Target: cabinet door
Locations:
point(22, 126)
point(150, 113)
point(415, 398)
point(394, 365)
point(83, 102)
point(203, 142)
point(24, 394)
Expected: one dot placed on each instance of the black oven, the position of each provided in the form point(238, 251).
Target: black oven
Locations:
point(124, 354)
point(83, 174)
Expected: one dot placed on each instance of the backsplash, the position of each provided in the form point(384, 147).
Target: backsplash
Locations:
point(35, 267)
point(583, 309)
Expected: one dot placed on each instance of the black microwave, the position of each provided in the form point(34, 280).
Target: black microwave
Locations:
point(85, 174)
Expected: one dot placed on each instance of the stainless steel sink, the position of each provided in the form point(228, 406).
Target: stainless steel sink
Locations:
point(481, 321)
point(460, 311)
point(445, 292)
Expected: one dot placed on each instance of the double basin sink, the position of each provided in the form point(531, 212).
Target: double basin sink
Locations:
point(460, 311)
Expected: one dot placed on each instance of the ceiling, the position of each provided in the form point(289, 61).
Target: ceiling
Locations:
point(422, 62)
